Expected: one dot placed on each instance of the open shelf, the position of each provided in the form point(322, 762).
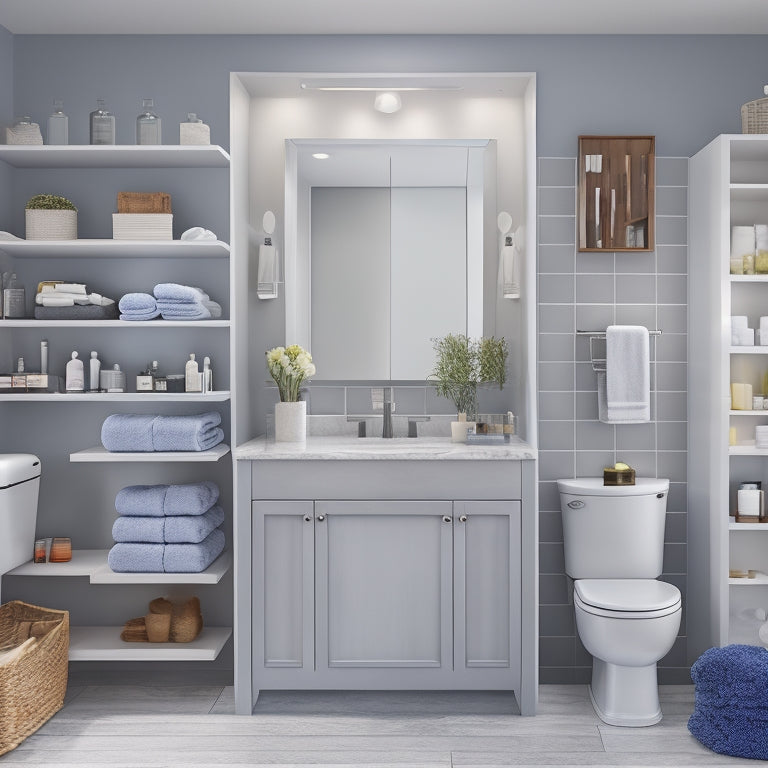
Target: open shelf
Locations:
point(120, 397)
point(142, 249)
point(747, 450)
point(93, 564)
point(124, 324)
point(756, 350)
point(763, 412)
point(104, 644)
point(115, 156)
point(761, 580)
point(748, 526)
point(101, 454)
point(749, 278)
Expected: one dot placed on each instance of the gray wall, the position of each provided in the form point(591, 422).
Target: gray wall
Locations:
point(684, 90)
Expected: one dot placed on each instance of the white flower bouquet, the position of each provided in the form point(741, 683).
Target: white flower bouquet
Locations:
point(289, 367)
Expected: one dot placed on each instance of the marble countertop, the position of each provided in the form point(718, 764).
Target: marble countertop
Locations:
point(345, 448)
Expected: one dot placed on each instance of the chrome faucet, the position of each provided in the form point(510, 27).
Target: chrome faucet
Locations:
point(389, 406)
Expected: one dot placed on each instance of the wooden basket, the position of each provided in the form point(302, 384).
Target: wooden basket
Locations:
point(33, 685)
point(754, 116)
point(143, 202)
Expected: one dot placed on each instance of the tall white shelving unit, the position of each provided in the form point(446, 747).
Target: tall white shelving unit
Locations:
point(118, 265)
point(728, 186)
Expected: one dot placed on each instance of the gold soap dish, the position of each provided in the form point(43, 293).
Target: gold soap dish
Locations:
point(613, 476)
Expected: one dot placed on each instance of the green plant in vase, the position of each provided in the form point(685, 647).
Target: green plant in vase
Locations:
point(461, 364)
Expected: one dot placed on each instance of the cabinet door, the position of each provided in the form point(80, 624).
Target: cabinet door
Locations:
point(384, 584)
point(283, 588)
point(487, 585)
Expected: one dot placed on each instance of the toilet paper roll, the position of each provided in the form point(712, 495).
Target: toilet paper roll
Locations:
point(748, 502)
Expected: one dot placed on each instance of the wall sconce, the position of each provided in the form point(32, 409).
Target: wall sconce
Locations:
point(268, 269)
point(509, 257)
point(387, 102)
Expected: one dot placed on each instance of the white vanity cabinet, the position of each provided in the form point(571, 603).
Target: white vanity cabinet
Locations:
point(394, 574)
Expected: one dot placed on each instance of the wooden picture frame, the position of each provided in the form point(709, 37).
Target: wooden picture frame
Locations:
point(617, 200)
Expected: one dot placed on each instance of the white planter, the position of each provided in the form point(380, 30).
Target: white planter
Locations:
point(291, 422)
point(51, 225)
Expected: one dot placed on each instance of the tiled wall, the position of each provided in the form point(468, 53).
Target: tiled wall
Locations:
point(589, 291)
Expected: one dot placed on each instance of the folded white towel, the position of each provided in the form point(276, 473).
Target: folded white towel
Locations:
point(70, 288)
point(628, 375)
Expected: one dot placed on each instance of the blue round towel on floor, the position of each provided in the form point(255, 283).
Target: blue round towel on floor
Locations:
point(731, 706)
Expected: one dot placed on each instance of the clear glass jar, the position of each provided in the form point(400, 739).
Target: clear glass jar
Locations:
point(148, 125)
point(102, 124)
point(58, 125)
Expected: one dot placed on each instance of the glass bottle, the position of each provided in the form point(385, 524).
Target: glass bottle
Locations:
point(148, 124)
point(58, 125)
point(102, 124)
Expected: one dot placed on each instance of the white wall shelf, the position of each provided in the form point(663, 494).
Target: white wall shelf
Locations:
point(141, 325)
point(118, 397)
point(760, 580)
point(104, 644)
point(102, 249)
point(749, 413)
point(747, 450)
point(748, 526)
point(756, 350)
point(115, 156)
point(98, 453)
point(93, 564)
point(748, 278)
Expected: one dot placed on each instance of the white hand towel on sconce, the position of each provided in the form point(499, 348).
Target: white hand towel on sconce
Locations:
point(624, 390)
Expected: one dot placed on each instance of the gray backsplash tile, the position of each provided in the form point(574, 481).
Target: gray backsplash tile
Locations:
point(591, 463)
point(671, 171)
point(554, 377)
point(672, 289)
point(636, 437)
point(551, 558)
point(359, 401)
point(643, 462)
point(671, 230)
point(672, 348)
point(556, 289)
point(556, 620)
point(556, 406)
point(674, 558)
point(636, 263)
point(674, 465)
point(554, 465)
point(672, 201)
point(557, 200)
point(556, 435)
point(410, 400)
point(556, 347)
point(594, 289)
point(636, 289)
point(325, 400)
point(597, 263)
point(556, 258)
point(677, 500)
point(550, 519)
point(673, 319)
point(676, 530)
point(556, 651)
point(671, 377)
point(560, 230)
point(673, 435)
point(586, 378)
point(556, 318)
point(595, 436)
point(594, 317)
point(637, 314)
point(557, 172)
point(586, 406)
point(672, 259)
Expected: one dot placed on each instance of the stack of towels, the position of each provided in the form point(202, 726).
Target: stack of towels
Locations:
point(144, 433)
point(171, 301)
point(761, 436)
point(71, 301)
point(730, 713)
point(167, 528)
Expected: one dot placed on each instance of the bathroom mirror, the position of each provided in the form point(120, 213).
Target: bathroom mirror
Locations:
point(387, 239)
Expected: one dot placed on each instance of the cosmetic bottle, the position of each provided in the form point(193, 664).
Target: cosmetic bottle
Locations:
point(148, 125)
point(14, 299)
point(192, 375)
point(159, 382)
point(95, 372)
point(194, 131)
point(58, 125)
point(207, 375)
point(144, 380)
point(102, 124)
point(44, 356)
point(75, 375)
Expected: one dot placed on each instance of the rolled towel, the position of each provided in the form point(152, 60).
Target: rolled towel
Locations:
point(122, 432)
point(187, 433)
point(141, 500)
point(173, 292)
point(137, 316)
point(137, 558)
point(184, 311)
point(181, 529)
point(137, 302)
point(192, 558)
point(190, 499)
point(213, 307)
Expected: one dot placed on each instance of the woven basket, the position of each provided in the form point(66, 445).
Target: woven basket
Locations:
point(43, 224)
point(33, 685)
point(754, 116)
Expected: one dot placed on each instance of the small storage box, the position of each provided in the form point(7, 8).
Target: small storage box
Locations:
point(754, 116)
point(33, 684)
point(142, 226)
point(613, 476)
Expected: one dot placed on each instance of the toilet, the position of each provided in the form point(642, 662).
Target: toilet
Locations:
point(626, 619)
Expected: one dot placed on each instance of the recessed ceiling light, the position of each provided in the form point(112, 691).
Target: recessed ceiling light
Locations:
point(320, 155)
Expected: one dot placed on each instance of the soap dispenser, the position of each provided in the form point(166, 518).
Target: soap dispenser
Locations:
point(192, 375)
point(75, 378)
point(95, 372)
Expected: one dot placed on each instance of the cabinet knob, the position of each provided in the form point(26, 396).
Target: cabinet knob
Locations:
point(446, 519)
point(307, 518)
point(321, 518)
point(462, 518)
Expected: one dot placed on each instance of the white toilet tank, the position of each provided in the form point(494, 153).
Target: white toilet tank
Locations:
point(19, 486)
point(613, 531)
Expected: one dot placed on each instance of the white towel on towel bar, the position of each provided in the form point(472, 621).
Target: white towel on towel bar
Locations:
point(627, 375)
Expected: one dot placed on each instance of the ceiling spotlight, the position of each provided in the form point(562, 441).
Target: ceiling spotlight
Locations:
point(320, 155)
point(387, 102)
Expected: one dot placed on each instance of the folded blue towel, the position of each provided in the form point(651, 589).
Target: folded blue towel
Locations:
point(181, 529)
point(195, 311)
point(166, 558)
point(139, 316)
point(187, 433)
point(136, 558)
point(736, 675)
point(190, 499)
point(193, 558)
point(128, 432)
point(141, 500)
point(173, 292)
point(137, 302)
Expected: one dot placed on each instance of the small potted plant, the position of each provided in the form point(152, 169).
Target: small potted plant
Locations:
point(289, 367)
point(461, 364)
point(51, 217)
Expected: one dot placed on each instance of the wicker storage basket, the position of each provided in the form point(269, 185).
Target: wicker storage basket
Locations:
point(33, 685)
point(44, 224)
point(754, 116)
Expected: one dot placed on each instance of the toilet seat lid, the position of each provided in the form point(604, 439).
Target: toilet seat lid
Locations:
point(627, 595)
